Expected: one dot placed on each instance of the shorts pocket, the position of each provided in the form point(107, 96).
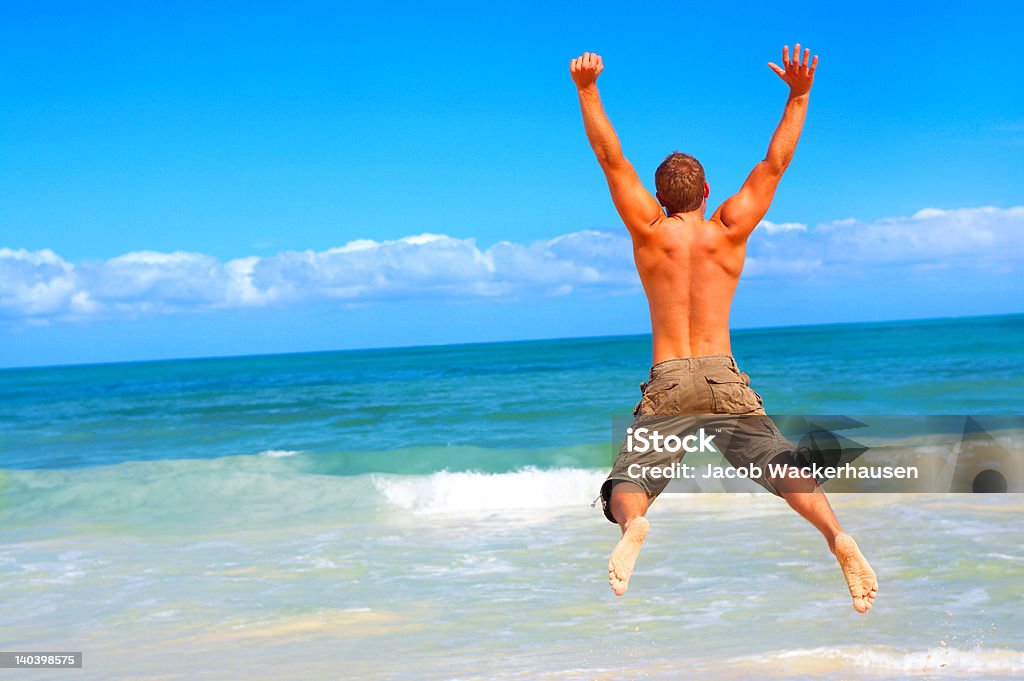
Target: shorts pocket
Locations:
point(659, 400)
point(746, 382)
point(730, 394)
point(643, 389)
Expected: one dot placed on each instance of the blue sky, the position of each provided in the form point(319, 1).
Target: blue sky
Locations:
point(251, 139)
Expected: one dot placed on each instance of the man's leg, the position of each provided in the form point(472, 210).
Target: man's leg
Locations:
point(627, 503)
point(806, 497)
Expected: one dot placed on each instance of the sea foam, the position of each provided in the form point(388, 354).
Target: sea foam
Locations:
point(528, 488)
point(992, 661)
point(278, 453)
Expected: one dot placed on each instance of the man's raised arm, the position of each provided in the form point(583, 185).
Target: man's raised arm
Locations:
point(742, 212)
point(637, 208)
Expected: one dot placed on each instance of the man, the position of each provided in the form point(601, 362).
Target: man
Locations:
point(689, 267)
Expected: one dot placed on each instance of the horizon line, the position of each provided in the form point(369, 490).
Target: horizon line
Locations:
point(753, 329)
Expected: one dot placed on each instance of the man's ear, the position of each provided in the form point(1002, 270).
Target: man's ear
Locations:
point(707, 190)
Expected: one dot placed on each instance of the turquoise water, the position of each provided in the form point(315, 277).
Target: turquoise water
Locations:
point(425, 513)
point(492, 407)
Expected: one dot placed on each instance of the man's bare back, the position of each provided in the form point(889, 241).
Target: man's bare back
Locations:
point(689, 267)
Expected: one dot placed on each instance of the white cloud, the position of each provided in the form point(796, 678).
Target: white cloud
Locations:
point(165, 280)
point(962, 238)
point(35, 282)
point(40, 285)
point(776, 227)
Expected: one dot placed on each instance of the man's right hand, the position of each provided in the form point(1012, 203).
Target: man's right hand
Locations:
point(585, 69)
point(799, 76)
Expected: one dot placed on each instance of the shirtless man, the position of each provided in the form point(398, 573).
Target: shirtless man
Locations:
point(689, 267)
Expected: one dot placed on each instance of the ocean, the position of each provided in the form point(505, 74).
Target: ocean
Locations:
point(425, 513)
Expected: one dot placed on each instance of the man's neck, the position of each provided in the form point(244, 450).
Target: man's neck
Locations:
point(689, 216)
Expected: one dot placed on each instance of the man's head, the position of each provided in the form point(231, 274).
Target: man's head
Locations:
point(682, 187)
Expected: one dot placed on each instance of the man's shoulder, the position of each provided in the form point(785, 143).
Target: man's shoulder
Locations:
point(650, 231)
point(717, 225)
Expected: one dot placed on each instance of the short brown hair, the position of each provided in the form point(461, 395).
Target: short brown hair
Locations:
point(680, 183)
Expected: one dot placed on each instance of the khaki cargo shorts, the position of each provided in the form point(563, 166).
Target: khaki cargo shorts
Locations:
point(685, 395)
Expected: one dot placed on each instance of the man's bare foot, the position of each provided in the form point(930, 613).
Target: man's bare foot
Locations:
point(620, 565)
point(859, 575)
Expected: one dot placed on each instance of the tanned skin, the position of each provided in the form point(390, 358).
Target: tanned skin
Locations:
point(689, 266)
